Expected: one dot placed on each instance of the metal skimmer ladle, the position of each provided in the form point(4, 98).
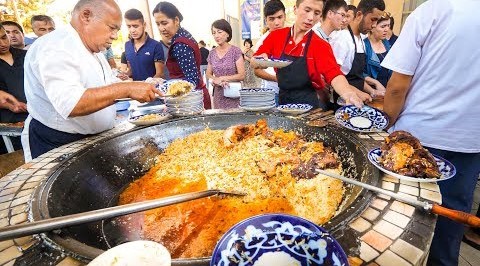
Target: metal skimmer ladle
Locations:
point(458, 216)
point(46, 225)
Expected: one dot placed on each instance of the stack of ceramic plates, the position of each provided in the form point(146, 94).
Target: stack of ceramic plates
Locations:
point(188, 104)
point(257, 99)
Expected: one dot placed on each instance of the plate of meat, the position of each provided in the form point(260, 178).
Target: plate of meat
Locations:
point(402, 156)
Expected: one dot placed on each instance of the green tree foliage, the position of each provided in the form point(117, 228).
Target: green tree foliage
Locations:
point(22, 10)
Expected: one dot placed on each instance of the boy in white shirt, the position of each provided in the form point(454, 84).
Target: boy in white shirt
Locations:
point(274, 12)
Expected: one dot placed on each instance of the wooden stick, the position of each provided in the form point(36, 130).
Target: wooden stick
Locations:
point(457, 216)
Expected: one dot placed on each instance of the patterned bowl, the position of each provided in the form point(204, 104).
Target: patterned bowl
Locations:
point(446, 168)
point(164, 87)
point(365, 120)
point(277, 239)
point(294, 109)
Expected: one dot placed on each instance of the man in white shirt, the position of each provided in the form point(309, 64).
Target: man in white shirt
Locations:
point(333, 18)
point(349, 49)
point(68, 80)
point(433, 96)
point(274, 12)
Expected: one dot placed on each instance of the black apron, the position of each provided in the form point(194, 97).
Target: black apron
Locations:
point(355, 76)
point(43, 139)
point(294, 81)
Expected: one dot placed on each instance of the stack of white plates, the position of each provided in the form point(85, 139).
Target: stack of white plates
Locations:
point(257, 99)
point(189, 104)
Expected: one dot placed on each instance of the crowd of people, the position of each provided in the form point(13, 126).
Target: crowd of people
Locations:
point(337, 50)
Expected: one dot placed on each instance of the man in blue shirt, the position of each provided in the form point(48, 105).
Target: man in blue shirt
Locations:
point(144, 55)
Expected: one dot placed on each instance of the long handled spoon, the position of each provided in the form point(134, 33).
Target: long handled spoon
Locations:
point(46, 225)
point(458, 216)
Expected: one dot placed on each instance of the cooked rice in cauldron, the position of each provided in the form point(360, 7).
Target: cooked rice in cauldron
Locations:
point(273, 167)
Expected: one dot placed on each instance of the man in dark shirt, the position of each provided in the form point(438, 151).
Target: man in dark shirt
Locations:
point(13, 106)
point(391, 37)
point(204, 53)
point(15, 34)
point(144, 55)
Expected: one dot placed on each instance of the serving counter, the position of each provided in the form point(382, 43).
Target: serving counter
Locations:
point(389, 232)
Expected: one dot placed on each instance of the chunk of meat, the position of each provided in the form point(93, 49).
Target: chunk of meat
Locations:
point(268, 166)
point(403, 137)
point(237, 133)
point(322, 160)
point(402, 153)
point(397, 156)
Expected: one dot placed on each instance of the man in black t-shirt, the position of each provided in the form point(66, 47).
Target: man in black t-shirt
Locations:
point(204, 53)
point(13, 106)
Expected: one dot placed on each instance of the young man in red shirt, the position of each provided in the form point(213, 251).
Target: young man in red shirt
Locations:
point(312, 57)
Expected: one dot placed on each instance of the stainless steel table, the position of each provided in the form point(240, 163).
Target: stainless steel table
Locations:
point(9, 131)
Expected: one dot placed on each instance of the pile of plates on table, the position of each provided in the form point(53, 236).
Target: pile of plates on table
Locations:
point(257, 99)
point(188, 104)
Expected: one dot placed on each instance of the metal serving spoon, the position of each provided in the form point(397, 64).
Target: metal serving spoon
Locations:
point(14, 231)
point(458, 216)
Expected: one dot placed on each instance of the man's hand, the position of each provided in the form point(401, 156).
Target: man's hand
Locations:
point(353, 98)
point(253, 61)
point(9, 102)
point(365, 97)
point(142, 91)
point(376, 88)
point(122, 76)
point(19, 107)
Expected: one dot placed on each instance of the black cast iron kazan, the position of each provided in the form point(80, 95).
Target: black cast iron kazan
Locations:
point(94, 177)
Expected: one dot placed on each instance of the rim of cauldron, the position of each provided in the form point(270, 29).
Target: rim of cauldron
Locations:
point(86, 253)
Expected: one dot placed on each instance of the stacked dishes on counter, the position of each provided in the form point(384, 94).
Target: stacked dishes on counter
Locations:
point(257, 99)
point(190, 103)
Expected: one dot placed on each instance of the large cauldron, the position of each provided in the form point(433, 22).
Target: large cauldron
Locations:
point(94, 177)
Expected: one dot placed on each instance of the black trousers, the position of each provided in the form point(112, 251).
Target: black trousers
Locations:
point(43, 139)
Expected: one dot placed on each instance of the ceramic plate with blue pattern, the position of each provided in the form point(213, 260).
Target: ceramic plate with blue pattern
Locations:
point(294, 109)
point(166, 85)
point(277, 239)
point(446, 168)
point(365, 120)
point(148, 116)
point(272, 62)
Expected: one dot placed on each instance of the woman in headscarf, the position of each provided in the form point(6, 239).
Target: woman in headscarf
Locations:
point(183, 55)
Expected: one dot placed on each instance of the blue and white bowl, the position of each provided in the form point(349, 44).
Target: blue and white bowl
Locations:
point(271, 238)
point(365, 120)
point(446, 168)
point(164, 87)
point(294, 109)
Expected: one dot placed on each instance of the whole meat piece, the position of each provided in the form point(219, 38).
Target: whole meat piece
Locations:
point(322, 160)
point(237, 133)
point(403, 154)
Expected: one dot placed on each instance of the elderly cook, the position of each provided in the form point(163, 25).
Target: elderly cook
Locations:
point(68, 82)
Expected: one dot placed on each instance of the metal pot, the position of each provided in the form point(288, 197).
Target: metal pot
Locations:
point(94, 177)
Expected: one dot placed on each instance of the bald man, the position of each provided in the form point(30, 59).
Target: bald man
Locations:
point(68, 82)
